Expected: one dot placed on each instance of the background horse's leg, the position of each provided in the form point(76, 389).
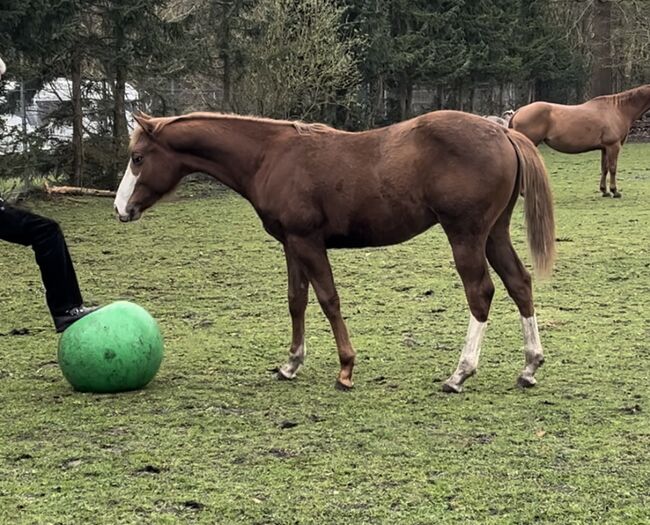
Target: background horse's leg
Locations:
point(298, 292)
point(506, 263)
point(612, 160)
point(469, 255)
point(603, 173)
point(313, 258)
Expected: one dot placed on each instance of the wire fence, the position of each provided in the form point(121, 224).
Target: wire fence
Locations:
point(36, 125)
point(36, 121)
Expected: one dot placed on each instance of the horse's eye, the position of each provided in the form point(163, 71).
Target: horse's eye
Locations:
point(137, 159)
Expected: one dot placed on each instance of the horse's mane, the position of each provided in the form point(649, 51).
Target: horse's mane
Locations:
point(302, 128)
point(623, 96)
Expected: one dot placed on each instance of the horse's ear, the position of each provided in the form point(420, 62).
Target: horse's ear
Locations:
point(144, 121)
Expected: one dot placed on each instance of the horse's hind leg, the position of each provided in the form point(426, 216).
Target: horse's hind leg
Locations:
point(469, 256)
point(612, 161)
point(603, 173)
point(506, 263)
point(298, 293)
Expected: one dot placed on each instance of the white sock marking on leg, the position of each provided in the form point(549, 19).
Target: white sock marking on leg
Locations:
point(472, 349)
point(296, 360)
point(469, 357)
point(532, 344)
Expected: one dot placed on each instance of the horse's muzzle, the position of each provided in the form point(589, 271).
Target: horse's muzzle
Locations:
point(132, 214)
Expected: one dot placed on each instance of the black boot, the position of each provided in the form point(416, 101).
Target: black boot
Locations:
point(61, 322)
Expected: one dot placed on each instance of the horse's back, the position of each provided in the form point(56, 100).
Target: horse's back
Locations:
point(387, 185)
point(434, 167)
point(444, 151)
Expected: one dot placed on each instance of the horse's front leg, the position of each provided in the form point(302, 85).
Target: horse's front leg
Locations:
point(298, 294)
point(603, 173)
point(312, 255)
point(612, 161)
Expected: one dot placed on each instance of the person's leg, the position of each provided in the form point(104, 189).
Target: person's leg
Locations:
point(44, 235)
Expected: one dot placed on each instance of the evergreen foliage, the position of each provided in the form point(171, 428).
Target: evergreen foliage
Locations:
point(351, 63)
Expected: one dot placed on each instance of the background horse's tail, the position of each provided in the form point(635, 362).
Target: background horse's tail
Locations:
point(538, 203)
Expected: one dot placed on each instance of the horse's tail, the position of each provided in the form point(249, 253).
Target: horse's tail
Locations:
point(538, 203)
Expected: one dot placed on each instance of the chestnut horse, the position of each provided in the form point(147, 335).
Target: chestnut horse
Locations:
point(315, 188)
point(601, 123)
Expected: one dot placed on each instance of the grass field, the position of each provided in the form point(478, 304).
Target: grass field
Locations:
point(216, 439)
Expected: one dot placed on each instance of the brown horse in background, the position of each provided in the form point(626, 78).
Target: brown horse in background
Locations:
point(601, 123)
point(315, 188)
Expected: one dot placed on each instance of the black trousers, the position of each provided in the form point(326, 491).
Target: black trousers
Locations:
point(46, 239)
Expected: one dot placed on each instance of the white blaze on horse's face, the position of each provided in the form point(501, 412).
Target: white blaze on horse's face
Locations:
point(124, 193)
point(3, 68)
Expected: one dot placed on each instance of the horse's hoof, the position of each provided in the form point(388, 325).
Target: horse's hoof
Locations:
point(451, 388)
point(343, 386)
point(283, 375)
point(526, 381)
point(606, 194)
point(616, 195)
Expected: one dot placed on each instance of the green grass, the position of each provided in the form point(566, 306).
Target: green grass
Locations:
point(14, 186)
point(205, 441)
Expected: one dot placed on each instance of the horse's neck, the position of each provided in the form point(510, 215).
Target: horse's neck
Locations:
point(636, 103)
point(228, 149)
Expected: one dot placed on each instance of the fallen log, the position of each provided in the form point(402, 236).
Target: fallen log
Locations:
point(76, 190)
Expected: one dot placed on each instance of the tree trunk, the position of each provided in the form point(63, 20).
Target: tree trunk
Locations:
point(74, 190)
point(409, 99)
point(225, 58)
point(120, 128)
point(438, 97)
point(405, 94)
point(502, 99)
point(77, 122)
point(601, 75)
point(172, 97)
point(376, 102)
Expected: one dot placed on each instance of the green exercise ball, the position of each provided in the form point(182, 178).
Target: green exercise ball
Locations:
point(114, 349)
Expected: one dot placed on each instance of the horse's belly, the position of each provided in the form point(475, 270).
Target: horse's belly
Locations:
point(564, 146)
point(366, 230)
